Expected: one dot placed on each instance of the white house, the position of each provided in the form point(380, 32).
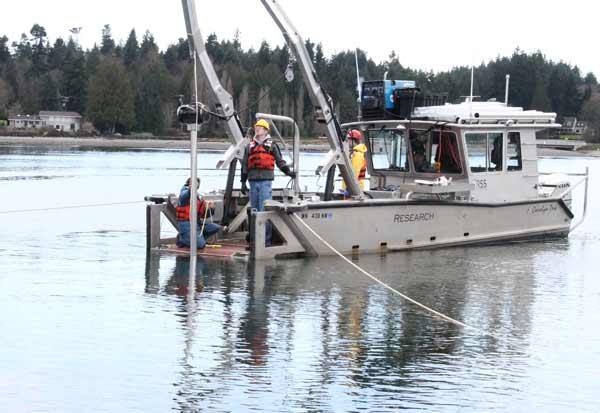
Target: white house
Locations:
point(63, 121)
point(25, 122)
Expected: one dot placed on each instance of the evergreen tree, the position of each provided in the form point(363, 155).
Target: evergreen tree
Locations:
point(131, 50)
point(152, 93)
point(74, 80)
point(49, 98)
point(39, 56)
point(5, 98)
point(56, 55)
point(4, 50)
point(23, 48)
point(110, 104)
point(108, 44)
point(92, 61)
point(148, 44)
point(590, 79)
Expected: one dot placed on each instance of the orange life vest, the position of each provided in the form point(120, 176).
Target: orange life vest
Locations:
point(363, 170)
point(260, 156)
point(183, 212)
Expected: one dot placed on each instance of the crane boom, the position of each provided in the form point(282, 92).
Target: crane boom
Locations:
point(323, 106)
point(221, 98)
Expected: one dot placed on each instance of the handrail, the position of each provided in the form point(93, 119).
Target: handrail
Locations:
point(295, 149)
point(585, 197)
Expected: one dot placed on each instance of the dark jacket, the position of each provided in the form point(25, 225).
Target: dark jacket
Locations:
point(264, 174)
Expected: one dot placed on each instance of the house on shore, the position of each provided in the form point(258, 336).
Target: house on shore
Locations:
point(572, 126)
point(62, 121)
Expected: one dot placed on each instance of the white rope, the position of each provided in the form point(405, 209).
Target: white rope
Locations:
point(423, 306)
point(19, 211)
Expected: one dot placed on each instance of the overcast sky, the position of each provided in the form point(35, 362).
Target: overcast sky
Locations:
point(425, 34)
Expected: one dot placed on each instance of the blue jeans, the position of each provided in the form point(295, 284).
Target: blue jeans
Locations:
point(183, 239)
point(261, 191)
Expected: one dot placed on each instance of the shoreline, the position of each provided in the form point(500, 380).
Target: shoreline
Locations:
point(182, 144)
point(132, 143)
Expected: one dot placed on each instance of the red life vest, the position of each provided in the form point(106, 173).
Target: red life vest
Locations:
point(260, 156)
point(183, 212)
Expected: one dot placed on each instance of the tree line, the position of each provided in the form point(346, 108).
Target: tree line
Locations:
point(131, 87)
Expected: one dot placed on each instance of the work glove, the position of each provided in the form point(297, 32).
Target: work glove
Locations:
point(292, 174)
point(244, 188)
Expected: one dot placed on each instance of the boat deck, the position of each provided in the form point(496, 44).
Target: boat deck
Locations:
point(224, 249)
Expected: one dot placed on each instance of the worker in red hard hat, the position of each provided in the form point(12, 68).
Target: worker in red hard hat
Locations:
point(357, 156)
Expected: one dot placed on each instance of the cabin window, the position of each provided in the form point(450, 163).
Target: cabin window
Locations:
point(486, 151)
point(495, 151)
point(513, 152)
point(388, 149)
point(435, 152)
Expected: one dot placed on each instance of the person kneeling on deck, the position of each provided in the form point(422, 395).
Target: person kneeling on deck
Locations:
point(357, 156)
point(258, 166)
point(205, 229)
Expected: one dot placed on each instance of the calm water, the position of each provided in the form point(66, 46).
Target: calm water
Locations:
point(88, 323)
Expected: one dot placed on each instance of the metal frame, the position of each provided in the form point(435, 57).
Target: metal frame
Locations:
point(323, 105)
point(296, 145)
point(222, 99)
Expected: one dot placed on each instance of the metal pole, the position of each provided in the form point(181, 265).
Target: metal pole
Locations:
point(585, 199)
point(193, 175)
point(506, 90)
point(358, 85)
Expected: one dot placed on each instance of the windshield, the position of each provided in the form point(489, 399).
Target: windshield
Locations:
point(435, 151)
point(388, 149)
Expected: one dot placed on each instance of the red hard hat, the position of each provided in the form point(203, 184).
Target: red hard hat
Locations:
point(354, 134)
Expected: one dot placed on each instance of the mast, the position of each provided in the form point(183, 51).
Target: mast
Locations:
point(322, 103)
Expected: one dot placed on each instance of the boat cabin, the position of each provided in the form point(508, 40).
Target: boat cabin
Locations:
point(486, 144)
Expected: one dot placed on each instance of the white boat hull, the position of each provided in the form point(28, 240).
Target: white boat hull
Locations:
point(376, 225)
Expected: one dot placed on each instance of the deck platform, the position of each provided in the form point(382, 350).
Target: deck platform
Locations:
point(225, 249)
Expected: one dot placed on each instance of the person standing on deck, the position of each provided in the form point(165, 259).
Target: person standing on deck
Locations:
point(358, 157)
point(205, 229)
point(258, 166)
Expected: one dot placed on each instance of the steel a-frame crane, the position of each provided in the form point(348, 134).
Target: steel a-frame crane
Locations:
point(322, 103)
point(222, 100)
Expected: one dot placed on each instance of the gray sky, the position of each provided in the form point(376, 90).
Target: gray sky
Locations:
point(425, 34)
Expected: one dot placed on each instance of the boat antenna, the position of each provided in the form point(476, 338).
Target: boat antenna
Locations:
point(358, 84)
point(506, 90)
point(471, 94)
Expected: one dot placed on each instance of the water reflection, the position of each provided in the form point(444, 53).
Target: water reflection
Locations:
point(298, 325)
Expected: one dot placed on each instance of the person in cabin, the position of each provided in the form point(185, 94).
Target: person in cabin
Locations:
point(421, 164)
point(357, 157)
point(205, 229)
point(496, 155)
point(261, 156)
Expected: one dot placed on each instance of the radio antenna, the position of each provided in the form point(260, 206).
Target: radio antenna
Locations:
point(358, 85)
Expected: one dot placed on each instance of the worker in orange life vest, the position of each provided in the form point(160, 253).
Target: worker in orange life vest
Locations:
point(183, 218)
point(357, 156)
point(258, 166)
